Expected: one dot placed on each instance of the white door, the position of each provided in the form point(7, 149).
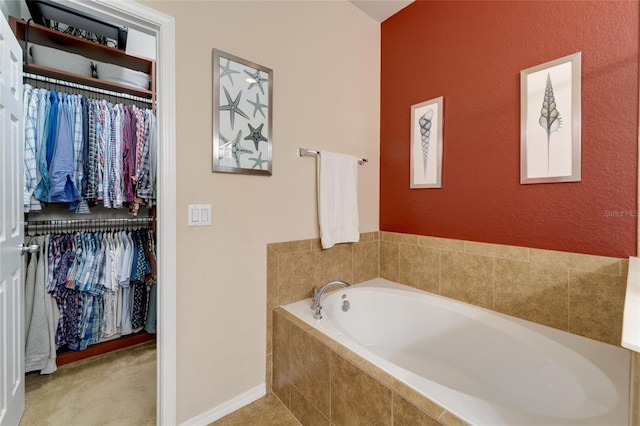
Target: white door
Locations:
point(11, 230)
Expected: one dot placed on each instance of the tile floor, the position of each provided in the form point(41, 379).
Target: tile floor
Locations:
point(266, 411)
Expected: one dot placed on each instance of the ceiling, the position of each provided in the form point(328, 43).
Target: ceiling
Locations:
point(380, 9)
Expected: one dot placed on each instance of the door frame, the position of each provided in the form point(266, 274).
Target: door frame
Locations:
point(162, 27)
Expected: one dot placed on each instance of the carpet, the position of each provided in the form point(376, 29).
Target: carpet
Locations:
point(117, 388)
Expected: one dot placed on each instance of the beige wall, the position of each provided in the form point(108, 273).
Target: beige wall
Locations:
point(326, 61)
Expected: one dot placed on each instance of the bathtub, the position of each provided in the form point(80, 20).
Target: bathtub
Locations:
point(486, 368)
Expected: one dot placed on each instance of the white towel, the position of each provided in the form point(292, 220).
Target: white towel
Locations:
point(338, 199)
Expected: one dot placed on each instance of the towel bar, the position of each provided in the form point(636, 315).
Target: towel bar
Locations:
point(304, 152)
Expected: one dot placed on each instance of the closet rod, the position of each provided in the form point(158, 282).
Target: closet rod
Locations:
point(60, 224)
point(304, 152)
point(85, 87)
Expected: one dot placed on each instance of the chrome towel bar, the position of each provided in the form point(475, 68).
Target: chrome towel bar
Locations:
point(304, 152)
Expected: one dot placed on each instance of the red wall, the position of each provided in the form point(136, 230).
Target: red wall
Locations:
point(472, 54)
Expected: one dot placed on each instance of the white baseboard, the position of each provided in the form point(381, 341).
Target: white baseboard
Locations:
point(228, 407)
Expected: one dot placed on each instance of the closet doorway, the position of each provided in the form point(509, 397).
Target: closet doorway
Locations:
point(161, 27)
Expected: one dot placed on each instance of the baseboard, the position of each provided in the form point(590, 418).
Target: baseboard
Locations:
point(228, 407)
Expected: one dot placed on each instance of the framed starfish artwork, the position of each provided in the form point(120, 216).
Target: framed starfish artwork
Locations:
point(550, 123)
point(242, 120)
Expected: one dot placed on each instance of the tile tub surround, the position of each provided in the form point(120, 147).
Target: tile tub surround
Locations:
point(295, 267)
point(578, 293)
point(322, 383)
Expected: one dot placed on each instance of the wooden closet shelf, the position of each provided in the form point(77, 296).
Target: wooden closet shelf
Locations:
point(42, 35)
point(104, 347)
point(87, 81)
point(39, 34)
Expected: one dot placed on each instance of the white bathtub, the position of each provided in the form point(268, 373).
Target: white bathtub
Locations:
point(484, 367)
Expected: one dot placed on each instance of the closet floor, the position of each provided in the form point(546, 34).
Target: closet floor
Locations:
point(117, 388)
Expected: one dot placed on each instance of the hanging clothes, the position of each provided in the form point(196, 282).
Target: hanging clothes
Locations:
point(40, 348)
point(84, 288)
point(86, 151)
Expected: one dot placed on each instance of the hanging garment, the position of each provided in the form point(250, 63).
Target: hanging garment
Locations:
point(31, 180)
point(84, 283)
point(61, 167)
point(39, 352)
point(83, 151)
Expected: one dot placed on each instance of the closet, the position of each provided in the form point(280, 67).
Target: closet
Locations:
point(89, 223)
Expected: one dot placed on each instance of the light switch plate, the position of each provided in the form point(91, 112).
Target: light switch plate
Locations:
point(199, 215)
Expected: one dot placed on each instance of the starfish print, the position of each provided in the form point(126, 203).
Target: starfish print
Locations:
point(258, 161)
point(226, 71)
point(256, 79)
point(232, 106)
point(256, 135)
point(257, 106)
point(237, 149)
point(223, 150)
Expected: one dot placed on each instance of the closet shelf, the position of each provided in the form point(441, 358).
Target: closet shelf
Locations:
point(104, 347)
point(38, 34)
point(88, 81)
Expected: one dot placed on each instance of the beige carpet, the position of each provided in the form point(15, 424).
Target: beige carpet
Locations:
point(118, 388)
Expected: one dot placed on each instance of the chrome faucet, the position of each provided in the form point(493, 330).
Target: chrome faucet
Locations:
point(317, 295)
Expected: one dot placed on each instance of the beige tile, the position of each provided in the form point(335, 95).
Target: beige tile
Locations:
point(356, 398)
point(596, 304)
point(270, 306)
point(369, 236)
point(419, 267)
point(399, 238)
point(582, 262)
point(537, 293)
point(272, 273)
point(290, 246)
point(452, 420)
point(310, 364)
point(305, 411)
point(441, 243)
point(266, 411)
point(410, 394)
point(316, 244)
point(624, 267)
point(407, 414)
point(268, 379)
point(389, 260)
point(272, 291)
point(467, 277)
point(336, 347)
point(299, 273)
point(281, 381)
point(365, 261)
point(294, 320)
point(336, 263)
point(497, 250)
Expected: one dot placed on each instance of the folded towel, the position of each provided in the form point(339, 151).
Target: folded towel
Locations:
point(338, 199)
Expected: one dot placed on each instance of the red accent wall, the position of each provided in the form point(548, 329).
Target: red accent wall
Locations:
point(472, 54)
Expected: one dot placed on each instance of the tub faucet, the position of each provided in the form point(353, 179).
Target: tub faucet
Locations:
point(317, 294)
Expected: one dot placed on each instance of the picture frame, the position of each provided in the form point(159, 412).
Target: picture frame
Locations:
point(242, 115)
point(426, 144)
point(550, 128)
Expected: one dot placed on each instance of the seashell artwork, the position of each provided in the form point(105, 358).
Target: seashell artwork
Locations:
point(425, 135)
point(550, 119)
point(426, 144)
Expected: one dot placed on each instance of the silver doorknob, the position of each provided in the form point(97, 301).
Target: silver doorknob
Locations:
point(33, 248)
